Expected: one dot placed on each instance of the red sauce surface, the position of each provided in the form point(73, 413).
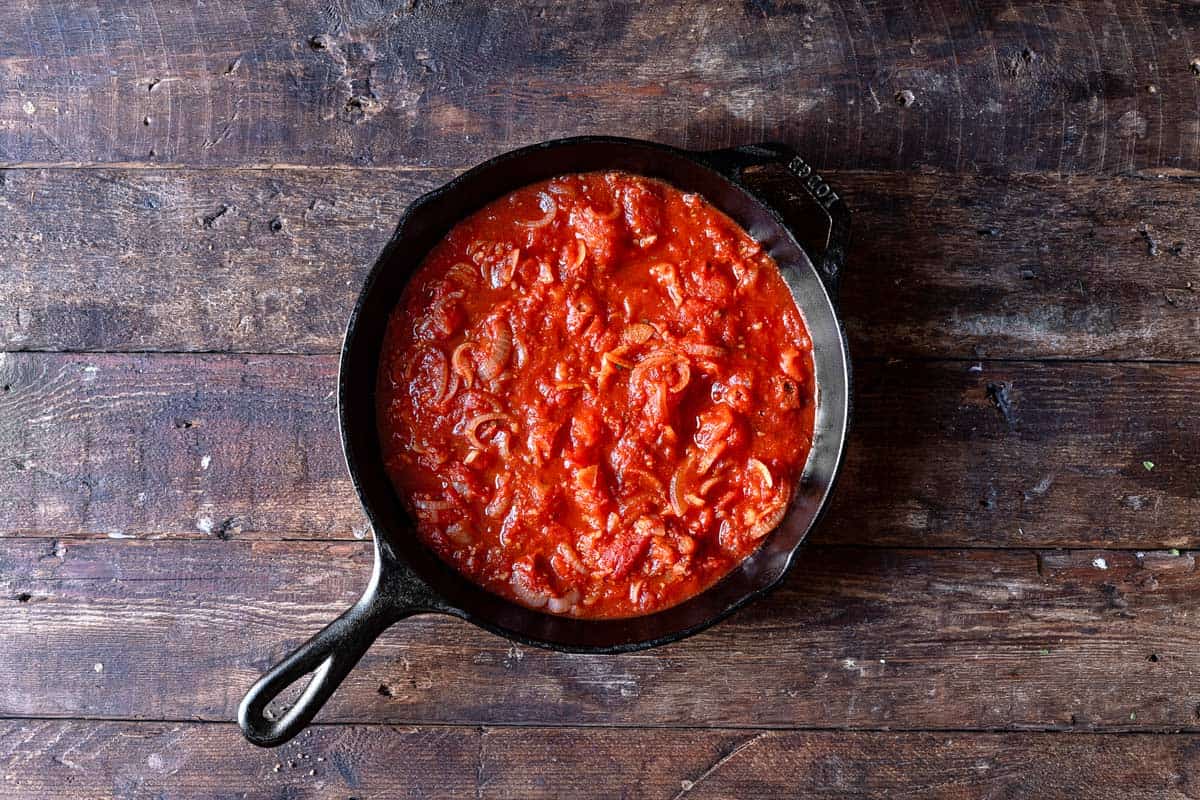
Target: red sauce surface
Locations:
point(596, 396)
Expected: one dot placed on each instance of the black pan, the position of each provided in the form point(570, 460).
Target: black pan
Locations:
point(408, 578)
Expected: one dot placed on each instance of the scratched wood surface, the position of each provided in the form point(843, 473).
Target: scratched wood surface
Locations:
point(991, 86)
point(1001, 602)
point(268, 261)
point(943, 453)
point(858, 638)
point(192, 761)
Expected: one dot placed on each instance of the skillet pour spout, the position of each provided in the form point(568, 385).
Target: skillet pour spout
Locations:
point(772, 193)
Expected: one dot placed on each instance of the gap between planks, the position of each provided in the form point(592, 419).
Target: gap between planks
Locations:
point(1172, 175)
point(135, 540)
point(584, 726)
point(872, 359)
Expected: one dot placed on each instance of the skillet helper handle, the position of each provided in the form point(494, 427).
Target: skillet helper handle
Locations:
point(329, 656)
point(831, 260)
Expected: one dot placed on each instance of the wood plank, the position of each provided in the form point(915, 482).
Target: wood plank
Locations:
point(856, 638)
point(52, 759)
point(942, 266)
point(941, 454)
point(203, 446)
point(186, 260)
point(989, 87)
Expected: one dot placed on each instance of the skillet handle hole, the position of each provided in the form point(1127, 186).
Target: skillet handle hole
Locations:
point(282, 702)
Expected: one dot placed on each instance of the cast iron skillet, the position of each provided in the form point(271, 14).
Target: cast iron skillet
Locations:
point(408, 578)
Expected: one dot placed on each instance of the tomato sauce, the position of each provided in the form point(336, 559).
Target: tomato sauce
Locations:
point(596, 396)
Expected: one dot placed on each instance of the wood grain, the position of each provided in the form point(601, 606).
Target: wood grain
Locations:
point(187, 260)
point(977, 87)
point(856, 639)
point(941, 453)
point(205, 446)
point(53, 759)
point(271, 261)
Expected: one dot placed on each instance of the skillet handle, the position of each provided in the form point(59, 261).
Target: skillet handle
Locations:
point(394, 593)
point(832, 259)
point(329, 656)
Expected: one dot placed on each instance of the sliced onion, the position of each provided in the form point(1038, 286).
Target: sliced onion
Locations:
point(768, 520)
point(486, 399)
point(635, 592)
point(787, 363)
point(761, 468)
point(503, 271)
point(748, 278)
point(649, 362)
point(547, 204)
point(710, 455)
point(447, 298)
point(614, 357)
point(639, 333)
point(520, 354)
point(526, 594)
point(571, 557)
point(499, 505)
point(703, 350)
point(443, 373)
point(463, 274)
point(667, 276)
point(428, 503)
point(461, 362)
point(607, 370)
point(471, 426)
point(660, 358)
point(650, 526)
point(685, 375)
point(574, 263)
point(561, 605)
point(451, 390)
point(751, 249)
point(545, 273)
point(501, 349)
point(707, 486)
point(678, 504)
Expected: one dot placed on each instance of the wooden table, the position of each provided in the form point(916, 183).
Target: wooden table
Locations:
point(1003, 601)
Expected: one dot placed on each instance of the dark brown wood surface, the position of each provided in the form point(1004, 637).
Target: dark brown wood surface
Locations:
point(188, 760)
point(1002, 601)
point(993, 87)
point(858, 638)
point(270, 261)
point(240, 447)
